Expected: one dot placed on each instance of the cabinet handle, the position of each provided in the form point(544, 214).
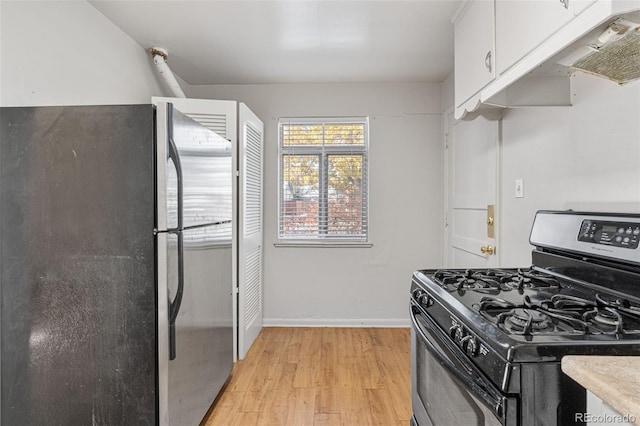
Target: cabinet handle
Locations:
point(487, 61)
point(565, 3)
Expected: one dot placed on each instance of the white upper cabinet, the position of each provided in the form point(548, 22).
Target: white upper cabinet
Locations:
point(523, 25)
point(474, 52)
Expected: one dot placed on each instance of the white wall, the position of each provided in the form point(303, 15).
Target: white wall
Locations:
point(355, 286)
point(584, 157)
point(447, 93)
point(56, 53)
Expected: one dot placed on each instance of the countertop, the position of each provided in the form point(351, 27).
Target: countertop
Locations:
point(613, 379)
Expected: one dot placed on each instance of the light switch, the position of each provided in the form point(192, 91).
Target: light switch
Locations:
point(519, 188)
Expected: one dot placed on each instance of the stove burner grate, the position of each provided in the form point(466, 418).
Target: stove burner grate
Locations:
point(525, 320)
point(562, 313)
point(528, 321)
point(494, 281)
point(528, 279)
point(468, 280)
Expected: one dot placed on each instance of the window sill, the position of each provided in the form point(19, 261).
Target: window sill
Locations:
point(323, 244)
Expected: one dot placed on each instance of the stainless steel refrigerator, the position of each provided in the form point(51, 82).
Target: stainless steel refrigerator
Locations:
point(115, 266)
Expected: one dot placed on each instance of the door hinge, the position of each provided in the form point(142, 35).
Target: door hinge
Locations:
point(446, 220)
point(446, 141)
point(237, 173)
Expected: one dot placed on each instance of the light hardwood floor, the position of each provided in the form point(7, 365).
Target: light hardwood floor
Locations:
point(319, 377)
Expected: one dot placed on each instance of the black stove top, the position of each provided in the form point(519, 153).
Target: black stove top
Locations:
point(532, 302)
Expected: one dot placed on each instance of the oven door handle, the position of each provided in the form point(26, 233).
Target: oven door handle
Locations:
point(479, 387)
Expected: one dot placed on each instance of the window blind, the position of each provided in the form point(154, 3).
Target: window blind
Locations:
point(323, 179)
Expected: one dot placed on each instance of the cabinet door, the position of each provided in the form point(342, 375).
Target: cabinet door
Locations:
point(523, 25)
point(474, 49)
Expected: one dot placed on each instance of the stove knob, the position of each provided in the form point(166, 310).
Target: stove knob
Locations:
point(470, 345)
point(456, 332)
point(417, 293)
point(425, 300)
point(453, 331)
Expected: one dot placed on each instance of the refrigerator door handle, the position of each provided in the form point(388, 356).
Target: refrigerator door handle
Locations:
point(174, 306)
point(175, 157)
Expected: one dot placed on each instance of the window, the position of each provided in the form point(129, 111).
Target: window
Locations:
point(323, 179)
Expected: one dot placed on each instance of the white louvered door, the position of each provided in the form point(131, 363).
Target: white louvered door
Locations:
point(250, 270)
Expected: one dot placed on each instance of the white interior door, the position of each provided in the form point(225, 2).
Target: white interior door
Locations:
point(221, 117)
point(472, 181)
point(250, 272)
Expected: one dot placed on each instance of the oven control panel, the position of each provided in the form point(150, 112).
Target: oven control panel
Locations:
point(617, 234)
point(466, 340)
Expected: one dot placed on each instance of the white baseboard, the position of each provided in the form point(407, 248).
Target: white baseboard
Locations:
point(326, 322)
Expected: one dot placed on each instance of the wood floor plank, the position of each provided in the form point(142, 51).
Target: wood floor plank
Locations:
point(303, 407)
point(279, 399)
point(327, 419)
point(381, 411)
point(319, 377)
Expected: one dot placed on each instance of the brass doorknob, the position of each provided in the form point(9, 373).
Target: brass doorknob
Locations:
point(489, 221)
point(490, 250)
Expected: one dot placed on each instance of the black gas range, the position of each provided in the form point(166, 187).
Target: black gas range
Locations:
point(487, 343)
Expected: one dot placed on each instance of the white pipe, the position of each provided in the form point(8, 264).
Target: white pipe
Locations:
point(160, 59)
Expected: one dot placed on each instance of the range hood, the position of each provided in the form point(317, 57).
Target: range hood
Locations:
point(603, 40)
point(612, 50)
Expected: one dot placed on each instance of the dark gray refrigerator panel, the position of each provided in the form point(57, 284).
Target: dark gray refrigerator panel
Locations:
point(77, 266)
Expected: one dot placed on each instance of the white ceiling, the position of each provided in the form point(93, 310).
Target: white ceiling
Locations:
point(295, 41)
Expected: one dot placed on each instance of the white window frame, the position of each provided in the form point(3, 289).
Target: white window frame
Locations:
point(323, 152)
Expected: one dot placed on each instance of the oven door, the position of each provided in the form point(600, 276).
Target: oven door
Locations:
point(447, 389)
